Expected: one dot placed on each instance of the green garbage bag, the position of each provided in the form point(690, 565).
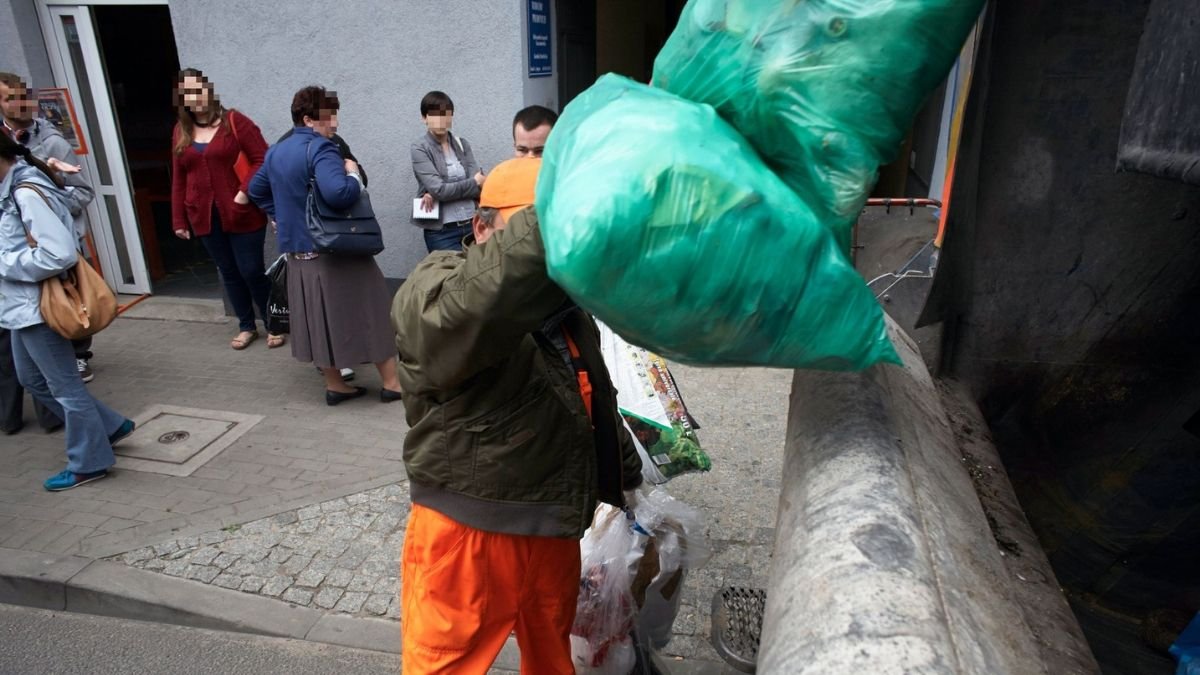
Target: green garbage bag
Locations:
point(662, 221)
point(825, 90)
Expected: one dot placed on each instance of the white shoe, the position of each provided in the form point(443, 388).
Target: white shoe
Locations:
point(85, 371)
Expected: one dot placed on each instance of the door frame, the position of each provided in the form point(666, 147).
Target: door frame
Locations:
point(50, 13)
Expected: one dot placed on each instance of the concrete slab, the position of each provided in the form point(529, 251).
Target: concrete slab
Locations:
point(176, 441)
point(36, 579)
point(167, 308)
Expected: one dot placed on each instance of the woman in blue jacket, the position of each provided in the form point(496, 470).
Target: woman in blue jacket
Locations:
point(338, 304)
point(32, 206)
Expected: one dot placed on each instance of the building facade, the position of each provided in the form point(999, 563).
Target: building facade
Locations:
point(117, 61)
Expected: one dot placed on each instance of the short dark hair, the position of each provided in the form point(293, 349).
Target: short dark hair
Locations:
point(12, 81)
point(436, 100)
point(311, 101)
point(533, 117)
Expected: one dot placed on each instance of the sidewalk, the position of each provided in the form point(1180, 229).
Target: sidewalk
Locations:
point(307, 504)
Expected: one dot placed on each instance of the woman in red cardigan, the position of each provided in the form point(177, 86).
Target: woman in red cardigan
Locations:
point(216, 152)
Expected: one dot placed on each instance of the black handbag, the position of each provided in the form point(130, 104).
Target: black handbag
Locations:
point(352, 231)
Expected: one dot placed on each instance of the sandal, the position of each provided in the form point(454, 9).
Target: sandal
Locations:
point(274, 341)
point(243, 339)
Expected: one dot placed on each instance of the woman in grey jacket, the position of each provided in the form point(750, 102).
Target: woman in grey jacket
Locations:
point(33, 207)
point(447, 174)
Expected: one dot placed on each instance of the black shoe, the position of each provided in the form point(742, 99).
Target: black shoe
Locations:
point(336, 397)
point(388, 396)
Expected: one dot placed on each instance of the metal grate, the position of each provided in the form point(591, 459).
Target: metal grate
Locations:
point(737, 618)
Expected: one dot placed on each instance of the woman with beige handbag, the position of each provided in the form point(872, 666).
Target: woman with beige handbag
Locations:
point(37, 243)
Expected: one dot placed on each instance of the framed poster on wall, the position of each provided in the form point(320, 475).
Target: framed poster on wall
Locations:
point(541, 64)
point(55, 105)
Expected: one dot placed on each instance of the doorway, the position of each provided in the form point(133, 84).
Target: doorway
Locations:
point(137, 47)
point(612, 36)
point(119, 61)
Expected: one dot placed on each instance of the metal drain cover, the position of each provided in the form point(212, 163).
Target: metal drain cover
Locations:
point(173, 437)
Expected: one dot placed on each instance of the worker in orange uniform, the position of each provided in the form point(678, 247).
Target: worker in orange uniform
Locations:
point(514, 438)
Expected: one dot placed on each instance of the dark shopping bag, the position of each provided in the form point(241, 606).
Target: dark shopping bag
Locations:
point(278, 314)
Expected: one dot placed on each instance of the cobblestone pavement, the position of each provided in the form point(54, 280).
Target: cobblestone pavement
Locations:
point(342, 555)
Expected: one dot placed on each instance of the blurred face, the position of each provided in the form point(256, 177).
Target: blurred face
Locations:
point(326, 126)
point(530, 143)
point(17, 104)
point(196, 94)
point(439, 121)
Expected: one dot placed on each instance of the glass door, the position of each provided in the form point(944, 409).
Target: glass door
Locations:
point(77, 64)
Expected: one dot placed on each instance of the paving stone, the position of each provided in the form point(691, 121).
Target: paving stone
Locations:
point(256, 555)
point(297, 563)
point(180, 554)
point(165, 548)
point(361, 583)
point(224, 560)
point(189, 542)
point(204, 556)
point(328, 596)
point(339, 577)
point(276, 585)
point(355, 500)
point(309, 512)
point(141, 554)
point(280, 555)
point(377, 604)
point(362, 519)
point(202, 573)
point(176, 568)
point(252, 584)
point(154, 564)
point(334, 506)
point(230, 581)
point(286, 518)
point(387, 586)
point(310, 577)
point(308, 526)
point(297, 596)
point(393, 610)
point(209, 538)
point(351, 602)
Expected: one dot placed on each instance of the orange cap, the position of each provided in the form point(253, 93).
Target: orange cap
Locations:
point(509, 187)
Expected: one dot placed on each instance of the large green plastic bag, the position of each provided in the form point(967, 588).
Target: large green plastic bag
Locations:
point(658, 218)
point(825, 90)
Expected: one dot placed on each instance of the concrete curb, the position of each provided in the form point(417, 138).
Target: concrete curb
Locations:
point(68, 583)
point(75, 584)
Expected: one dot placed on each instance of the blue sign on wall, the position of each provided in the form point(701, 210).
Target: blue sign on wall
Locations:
point(540, 62)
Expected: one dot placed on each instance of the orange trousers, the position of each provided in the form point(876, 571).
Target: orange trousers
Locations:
point(464, 591)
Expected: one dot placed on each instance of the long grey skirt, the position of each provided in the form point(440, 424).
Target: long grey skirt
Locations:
point(339, 311)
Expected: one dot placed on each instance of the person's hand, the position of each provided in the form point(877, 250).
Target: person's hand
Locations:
point(241, 198)
point(351, 166)
point(479, 178)
point(274, 227)
point(183, 234)
point(427, 202)
point(62, 167)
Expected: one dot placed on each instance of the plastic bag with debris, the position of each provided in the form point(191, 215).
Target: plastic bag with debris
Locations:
point(634, 564)
point(654, 412)
point(824, 90)
point(663, 222)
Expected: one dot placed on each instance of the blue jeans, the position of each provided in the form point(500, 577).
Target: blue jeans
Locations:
point(239, 259)
point(449, 238)
point(45, 364)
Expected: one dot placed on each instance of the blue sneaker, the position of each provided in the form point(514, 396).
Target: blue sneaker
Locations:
point(65, 480)
point(125, 429)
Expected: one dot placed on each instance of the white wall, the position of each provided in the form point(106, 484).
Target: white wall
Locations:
point(381, 56)
point(22, 49)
